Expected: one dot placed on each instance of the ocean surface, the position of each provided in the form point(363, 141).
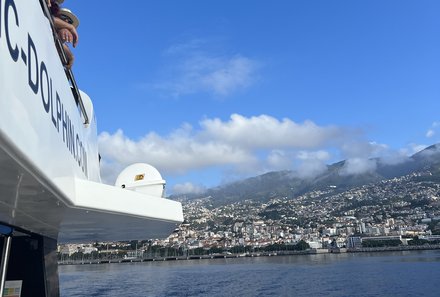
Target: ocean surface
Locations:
point(415, 273)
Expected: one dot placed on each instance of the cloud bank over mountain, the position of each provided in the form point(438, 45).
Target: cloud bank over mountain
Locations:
point(243, 146)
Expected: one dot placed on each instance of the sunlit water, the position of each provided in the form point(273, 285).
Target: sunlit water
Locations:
point(366, 274)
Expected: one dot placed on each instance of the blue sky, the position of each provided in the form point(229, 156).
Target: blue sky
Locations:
point(213, 91)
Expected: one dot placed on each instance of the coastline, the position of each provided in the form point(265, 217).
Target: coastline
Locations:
point(256, 254)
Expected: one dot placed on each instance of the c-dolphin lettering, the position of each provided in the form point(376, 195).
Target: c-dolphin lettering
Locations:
point(43, 74)
point(12, 51)
point(59, 111)
point(52, 111)
point(32, 49)
point(1, 19)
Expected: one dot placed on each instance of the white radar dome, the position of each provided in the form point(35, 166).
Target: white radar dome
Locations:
point(142, 178)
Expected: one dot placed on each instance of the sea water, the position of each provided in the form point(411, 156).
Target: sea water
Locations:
point(415, 273)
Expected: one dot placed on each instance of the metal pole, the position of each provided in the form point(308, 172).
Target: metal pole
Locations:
point(4, 263)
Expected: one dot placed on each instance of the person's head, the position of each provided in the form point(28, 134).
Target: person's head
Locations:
point(54, 7)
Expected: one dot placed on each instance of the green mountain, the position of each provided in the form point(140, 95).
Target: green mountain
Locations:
point(288, 183)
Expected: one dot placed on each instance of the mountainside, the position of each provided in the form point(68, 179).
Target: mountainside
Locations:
point(288, 184)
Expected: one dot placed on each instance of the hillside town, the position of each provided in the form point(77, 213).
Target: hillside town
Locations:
point(403, 211)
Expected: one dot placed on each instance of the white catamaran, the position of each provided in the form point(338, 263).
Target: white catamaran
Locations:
point(50, 185)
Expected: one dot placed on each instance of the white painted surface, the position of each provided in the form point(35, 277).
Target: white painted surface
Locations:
point(142, 178)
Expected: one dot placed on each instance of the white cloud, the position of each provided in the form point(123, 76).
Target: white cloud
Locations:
point(360, 152)
point(356, 149)
point(432, 130)
point(188, 188)
point(311, 168)
point(367, 150)
point(268, 132)
point(216, 75)
point(236, 73)
point(245, 146)
point(394, 157)
point(384, 153)
point(176, 153)
point(414, 148)
point(278, 160)
point(356, 166)
point(193, 68)
point(311, 163)
point(314, 155)
point(430, 133)
point(191, 46)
